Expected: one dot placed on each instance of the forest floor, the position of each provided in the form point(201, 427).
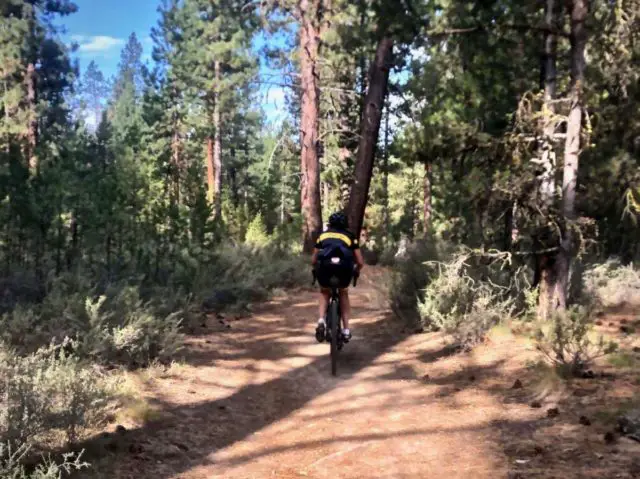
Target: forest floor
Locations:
point(255, 398)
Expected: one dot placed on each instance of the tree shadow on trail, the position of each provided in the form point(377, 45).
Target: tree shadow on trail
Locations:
point(185, 436)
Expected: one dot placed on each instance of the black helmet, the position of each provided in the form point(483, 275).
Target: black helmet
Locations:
point(338, 220)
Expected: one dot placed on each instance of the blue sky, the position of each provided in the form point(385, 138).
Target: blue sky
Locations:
point(101, 28)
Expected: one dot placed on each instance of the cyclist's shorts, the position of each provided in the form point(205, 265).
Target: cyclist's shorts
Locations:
point(337, 275)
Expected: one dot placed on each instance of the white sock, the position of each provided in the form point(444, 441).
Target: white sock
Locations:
point(320, 320)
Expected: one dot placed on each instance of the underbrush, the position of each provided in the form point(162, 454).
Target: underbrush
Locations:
point(12, 464)
point(57, 347)
point(456, 290)
point(569, 343)
point(47, 399)
point(410, 277)
point(114, 328)
point(611, 284)
point(249, 274)
point(49, 393)
point(464, 301)
point(132, 322)
point(466, 292)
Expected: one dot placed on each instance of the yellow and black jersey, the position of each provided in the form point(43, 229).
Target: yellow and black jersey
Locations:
point(333, 237)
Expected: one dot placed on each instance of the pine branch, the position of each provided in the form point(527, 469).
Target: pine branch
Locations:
point(437, 34)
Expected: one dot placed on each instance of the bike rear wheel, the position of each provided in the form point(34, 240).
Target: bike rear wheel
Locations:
point(334, 321)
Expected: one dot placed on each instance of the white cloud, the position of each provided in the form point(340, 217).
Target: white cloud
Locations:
point(97, 43)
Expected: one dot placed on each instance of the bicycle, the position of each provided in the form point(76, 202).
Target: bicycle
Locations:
point(333, 331)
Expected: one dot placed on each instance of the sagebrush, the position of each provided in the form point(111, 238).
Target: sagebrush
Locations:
point(461, 306)
point(612, 284)
point(12, 464)
point(569, 342)
point(410, 277)
point(117, 327)
point(49, 393)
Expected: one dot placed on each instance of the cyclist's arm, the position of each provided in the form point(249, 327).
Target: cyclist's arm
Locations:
point(359, 259)
point(316, 249)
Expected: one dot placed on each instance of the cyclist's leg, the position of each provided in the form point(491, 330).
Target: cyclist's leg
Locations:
point(325, 296)
point(345, 307)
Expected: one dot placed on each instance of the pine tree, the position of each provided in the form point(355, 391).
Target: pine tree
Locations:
point(94, 93)
point(221, 66)
point(127, 91)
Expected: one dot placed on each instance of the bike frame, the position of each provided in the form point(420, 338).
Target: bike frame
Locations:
point(333, 320)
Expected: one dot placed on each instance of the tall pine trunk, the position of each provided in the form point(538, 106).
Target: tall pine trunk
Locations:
point(369, 132)
point(309, 161)
point(386, 220)
point(210, 172)
point(545, 277)
point(547, 180)
point(214, 147)
point(362, 60)
point(579, 12)
point(217, 146)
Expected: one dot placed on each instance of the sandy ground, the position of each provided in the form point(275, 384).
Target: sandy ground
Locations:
point(257, 400)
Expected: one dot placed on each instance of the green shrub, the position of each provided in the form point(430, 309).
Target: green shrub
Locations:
point(567, 342)
point(114, 328)
point(462, 306)
point(12, 464)
point(611, 284)
point(48, 391)
point(257, 232)
point(124, 330)
point(247, 275)
point(410, 277)
point(133, 322)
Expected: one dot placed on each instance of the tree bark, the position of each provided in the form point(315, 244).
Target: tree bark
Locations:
point(427, 206)
point(369, 131)
point(386, 220)
point(362, 60)
point(579, 12)
point(210, 172)
point(309, 162)
point(545, 275)
point(548, 160)
point(217, 146)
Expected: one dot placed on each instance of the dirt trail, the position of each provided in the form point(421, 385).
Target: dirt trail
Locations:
point(258, 401)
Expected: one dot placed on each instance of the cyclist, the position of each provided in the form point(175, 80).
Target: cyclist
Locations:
point(336, 241)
